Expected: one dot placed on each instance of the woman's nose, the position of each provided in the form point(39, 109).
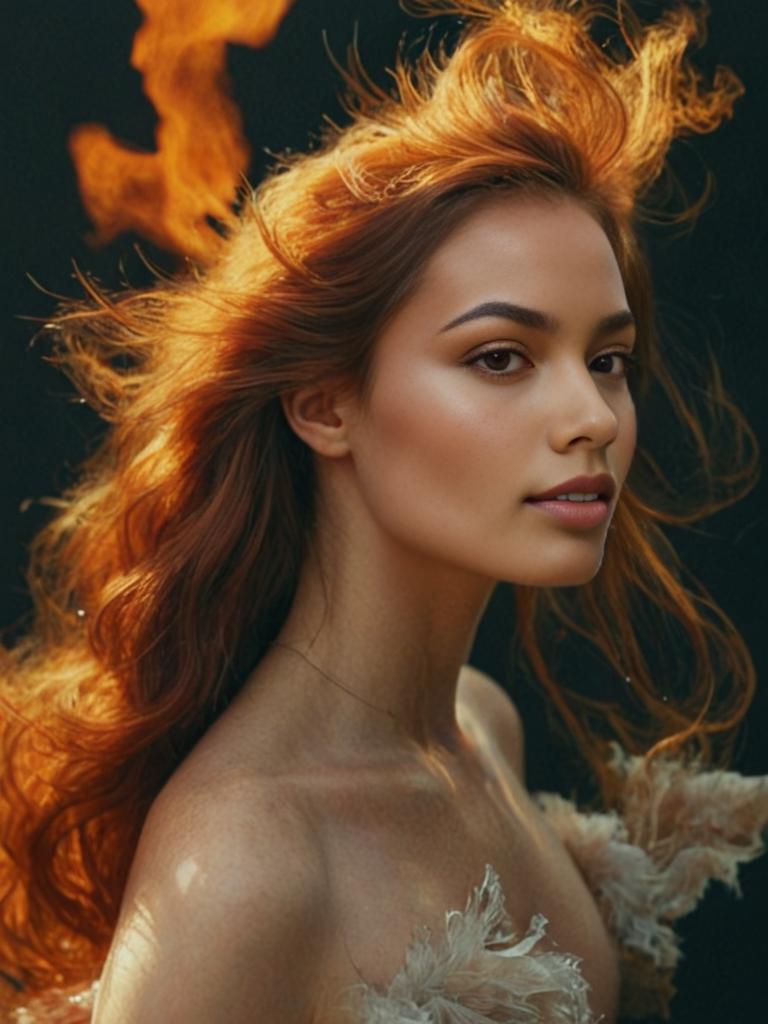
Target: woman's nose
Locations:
point(583, 415)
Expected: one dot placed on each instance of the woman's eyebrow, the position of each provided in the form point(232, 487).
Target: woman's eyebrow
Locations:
point(536, 319)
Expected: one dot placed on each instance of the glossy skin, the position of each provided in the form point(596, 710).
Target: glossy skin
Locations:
point(309, 815)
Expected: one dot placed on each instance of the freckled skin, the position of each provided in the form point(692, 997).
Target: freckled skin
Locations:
point(444, 456)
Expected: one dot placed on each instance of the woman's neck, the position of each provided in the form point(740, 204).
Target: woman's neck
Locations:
point(372, 649)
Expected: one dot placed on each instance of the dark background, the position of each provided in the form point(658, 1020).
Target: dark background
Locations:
point(69, 63)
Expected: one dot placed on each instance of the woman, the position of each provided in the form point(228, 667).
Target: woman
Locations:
point(244, 756)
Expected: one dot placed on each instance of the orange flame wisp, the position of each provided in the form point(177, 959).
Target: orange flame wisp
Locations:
point(168, 196)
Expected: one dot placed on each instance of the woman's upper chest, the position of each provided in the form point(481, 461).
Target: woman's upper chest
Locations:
point(404, 864)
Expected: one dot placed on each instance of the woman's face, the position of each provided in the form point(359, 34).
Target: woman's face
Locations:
point(502, 377)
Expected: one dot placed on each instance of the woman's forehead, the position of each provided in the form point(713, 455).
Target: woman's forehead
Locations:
point(534, 251)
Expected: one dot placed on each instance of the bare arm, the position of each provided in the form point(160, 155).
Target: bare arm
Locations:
point(223, 920)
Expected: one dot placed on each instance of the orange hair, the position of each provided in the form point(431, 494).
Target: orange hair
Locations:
point(172, 562)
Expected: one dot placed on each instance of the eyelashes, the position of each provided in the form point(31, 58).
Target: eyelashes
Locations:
point(627, 359)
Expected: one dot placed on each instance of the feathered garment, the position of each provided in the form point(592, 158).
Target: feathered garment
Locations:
point(647, 864)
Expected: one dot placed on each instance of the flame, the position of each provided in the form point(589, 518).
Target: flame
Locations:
point(170, 195)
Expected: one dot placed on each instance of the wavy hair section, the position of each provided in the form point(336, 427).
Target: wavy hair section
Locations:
point(171, 563)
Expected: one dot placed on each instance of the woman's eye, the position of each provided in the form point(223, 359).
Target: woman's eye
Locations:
point(497, 361)
point(615, 364)
point(503, 362)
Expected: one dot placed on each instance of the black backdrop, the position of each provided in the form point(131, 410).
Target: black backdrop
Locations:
point(69, 63)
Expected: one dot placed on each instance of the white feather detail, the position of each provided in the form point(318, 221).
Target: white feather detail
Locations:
point(480, 972)
point(679, 828)
point(647, 863)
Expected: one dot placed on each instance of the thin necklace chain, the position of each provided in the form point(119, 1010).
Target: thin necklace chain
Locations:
point(287, 647)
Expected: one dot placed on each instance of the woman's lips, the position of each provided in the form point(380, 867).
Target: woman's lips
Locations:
point(580, 514)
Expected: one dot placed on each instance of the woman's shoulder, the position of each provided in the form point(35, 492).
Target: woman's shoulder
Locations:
point(227, 877)
point(488, 712)
point(231, 822)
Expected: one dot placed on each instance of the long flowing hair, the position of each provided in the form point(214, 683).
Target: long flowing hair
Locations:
point(172, 562)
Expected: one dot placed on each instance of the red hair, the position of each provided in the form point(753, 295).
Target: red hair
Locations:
point(172, 562)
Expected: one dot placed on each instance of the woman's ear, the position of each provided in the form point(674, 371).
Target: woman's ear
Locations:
point(320, 414)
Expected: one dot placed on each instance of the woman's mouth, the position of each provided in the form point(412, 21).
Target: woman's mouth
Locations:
point(578, 510)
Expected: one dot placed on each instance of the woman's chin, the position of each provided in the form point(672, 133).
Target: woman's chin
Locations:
point(573, 575)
